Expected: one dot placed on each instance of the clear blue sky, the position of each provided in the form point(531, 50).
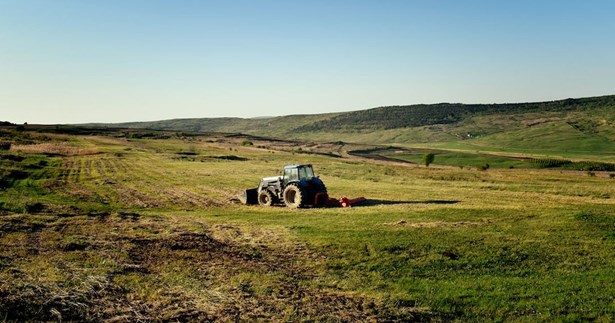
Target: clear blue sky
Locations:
point(72, 61)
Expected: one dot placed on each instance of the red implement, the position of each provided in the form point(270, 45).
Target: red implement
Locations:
point(345, 202)
point(322, 199)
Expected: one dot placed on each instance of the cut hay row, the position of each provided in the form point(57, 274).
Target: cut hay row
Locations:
point(131, 182)
point(55, 148)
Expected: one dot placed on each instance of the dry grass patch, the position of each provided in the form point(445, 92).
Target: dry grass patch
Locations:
point(435, 224)
point(126, 267)
point(55, 148)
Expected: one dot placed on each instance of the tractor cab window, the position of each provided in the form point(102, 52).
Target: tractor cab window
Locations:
point(291, 174)
point(306, 173)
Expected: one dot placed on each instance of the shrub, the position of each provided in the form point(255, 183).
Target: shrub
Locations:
point(5, 145)
point(247, 143)
point(593, 166)
point(567, 164)
point(428, 158)
point(549, 162)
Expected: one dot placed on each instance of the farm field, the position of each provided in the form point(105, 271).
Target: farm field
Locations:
point(125, 226)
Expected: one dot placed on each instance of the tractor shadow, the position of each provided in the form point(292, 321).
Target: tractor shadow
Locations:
point(374, 202)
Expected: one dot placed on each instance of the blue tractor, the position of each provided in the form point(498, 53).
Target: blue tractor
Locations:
point(297, 187)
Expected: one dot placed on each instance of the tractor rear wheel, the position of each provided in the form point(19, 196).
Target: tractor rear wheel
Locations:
point(293, 196)
point(265, 198)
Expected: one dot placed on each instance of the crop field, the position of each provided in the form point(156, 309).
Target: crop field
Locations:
point(119, 226)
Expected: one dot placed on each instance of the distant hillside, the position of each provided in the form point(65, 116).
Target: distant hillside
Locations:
point(393, 117)
point(271, 126)
point(382, 118)
point(570, 127)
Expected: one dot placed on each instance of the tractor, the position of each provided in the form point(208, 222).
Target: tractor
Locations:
point(297, 187)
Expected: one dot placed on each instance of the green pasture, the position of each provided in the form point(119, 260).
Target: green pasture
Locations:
point(556, 139)
point(460, 159)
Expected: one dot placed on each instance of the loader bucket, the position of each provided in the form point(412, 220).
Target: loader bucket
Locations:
point(249, 196)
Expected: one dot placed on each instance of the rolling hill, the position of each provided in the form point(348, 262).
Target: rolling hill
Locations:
point(572, 128)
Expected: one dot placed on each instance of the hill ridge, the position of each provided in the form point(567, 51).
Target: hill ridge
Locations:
point(568, 127)
point(393, 117)
point(378, 118)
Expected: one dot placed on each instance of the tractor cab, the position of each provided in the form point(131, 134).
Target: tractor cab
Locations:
point(297, 173)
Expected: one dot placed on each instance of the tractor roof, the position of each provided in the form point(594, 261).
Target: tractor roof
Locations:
point(297, 166)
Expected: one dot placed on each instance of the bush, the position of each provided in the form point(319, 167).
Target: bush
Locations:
point(428, 158)
point(5, 145)
point(549, 163)
point(247, 143)
point(567, 164)
point(593, 166)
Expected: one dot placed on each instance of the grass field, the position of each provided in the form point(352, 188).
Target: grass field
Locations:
point(111, 228)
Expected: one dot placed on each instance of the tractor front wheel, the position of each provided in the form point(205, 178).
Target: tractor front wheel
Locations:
point(265, 198)
point(293, 196)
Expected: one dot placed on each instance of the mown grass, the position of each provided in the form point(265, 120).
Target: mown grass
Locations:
point(134, 232)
